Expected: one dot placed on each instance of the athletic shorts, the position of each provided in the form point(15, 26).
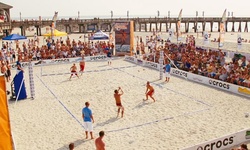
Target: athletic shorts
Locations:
point(167, 74)
point(81, 68)
point(150, 93)
point(109, 59)
point(88, 126)
point(73, 72)
point(119, 105)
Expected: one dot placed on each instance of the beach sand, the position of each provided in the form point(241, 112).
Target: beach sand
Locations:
point(185, 113)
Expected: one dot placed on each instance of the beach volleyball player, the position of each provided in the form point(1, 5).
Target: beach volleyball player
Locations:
point(82, 65)
point(73, 70)
point(117, 96)
point(149, 91)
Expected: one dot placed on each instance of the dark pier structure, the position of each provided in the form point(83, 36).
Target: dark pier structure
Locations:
point(141, 24)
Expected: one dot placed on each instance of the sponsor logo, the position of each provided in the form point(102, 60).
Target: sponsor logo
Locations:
point(218, 144)
point(247, 134)
point(40, 62)
point(59, 60)
point(197, 79)
point(98, 57)
point(130, 59)
point(180, 73)
point(244, 90)
point(139, 62)
point(219, 84)
point(23, 65)
point(152, 65)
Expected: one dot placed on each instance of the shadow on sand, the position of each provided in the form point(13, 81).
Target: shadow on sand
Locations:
point(110, 120)
point(143, 103)
point(76, 143)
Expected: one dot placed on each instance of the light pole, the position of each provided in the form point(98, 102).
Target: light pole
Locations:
point(158, 13)
point(197, 23)
point(20, 14)
point(203, 14)
point(111, 14)
point(128, 14)
point(78, 14)
point(168, 14)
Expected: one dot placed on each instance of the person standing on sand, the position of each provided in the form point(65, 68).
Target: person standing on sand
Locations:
point(87, 118)
point(73, 70)
point(18, 65)
point(82, 65)
point(109, 57)
point(149, 91)
point(167, 71)
point(117, 97)
point(100, 145)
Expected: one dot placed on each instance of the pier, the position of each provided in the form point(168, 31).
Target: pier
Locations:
point(140, 24)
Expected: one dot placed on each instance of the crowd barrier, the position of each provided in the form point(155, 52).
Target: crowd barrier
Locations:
point(60, 61)
point(225, 142)
point(240, 90)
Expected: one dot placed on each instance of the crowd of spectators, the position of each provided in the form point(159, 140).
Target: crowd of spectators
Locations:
point(186, 56)
point(205, 62)
point(242, 147)
point(51, 49)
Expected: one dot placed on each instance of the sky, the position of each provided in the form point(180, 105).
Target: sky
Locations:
point(136, 8)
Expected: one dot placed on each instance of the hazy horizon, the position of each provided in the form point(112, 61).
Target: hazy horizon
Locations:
point(136, 8)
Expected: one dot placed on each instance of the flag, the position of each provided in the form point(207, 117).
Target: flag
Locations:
point(55, 18)
point(205, 38)
point(170, 33)
point(53, 24)
point(222, 29)
point(239, 41)
point(179, 26)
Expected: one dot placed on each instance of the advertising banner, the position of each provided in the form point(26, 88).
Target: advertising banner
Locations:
point(225, 142)
point(5, 132)
point(124, 37)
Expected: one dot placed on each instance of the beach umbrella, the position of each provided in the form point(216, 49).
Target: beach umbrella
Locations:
point(56, 33)
point(99, 35)
point(14, 37)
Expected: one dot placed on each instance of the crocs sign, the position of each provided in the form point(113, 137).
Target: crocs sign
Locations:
point(59, 60)
point(98, 57)
point(151, 65)
point(220, 144)
point(131, 59)
point(180, 73)
point(23, 65)
point(219, 84)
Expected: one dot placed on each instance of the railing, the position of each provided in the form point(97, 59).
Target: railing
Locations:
point(18, 23)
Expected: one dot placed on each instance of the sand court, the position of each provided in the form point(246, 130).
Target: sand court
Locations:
point(184, 114)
